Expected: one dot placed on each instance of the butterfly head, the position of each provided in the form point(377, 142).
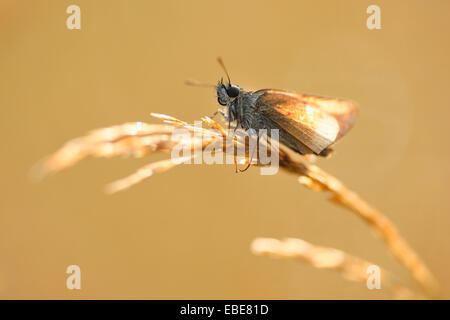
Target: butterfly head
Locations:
point(226, 93)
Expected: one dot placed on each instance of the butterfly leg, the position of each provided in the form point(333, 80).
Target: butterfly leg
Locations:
point(251, 157)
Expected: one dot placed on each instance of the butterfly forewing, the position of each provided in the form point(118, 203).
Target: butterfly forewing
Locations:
point(344, 111)
point(315, 121)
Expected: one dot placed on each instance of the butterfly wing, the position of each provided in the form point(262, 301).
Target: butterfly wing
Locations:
point(317, 122)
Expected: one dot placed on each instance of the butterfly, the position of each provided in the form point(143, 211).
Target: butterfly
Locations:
point(307, 124)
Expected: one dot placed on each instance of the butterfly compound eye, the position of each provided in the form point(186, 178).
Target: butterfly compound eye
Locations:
point(233, 91)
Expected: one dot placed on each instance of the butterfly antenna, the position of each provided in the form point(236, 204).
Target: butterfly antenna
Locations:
point(219, 60)
point(196, 83)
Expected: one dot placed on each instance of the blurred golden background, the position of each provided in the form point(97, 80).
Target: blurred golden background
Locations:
point(185, 234)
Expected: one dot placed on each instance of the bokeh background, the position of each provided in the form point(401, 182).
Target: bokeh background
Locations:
point(185, 234)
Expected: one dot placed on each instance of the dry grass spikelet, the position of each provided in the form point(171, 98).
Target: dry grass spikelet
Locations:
point(140, 139)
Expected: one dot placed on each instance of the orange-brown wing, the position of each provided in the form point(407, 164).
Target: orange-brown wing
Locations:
point(315, 121)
